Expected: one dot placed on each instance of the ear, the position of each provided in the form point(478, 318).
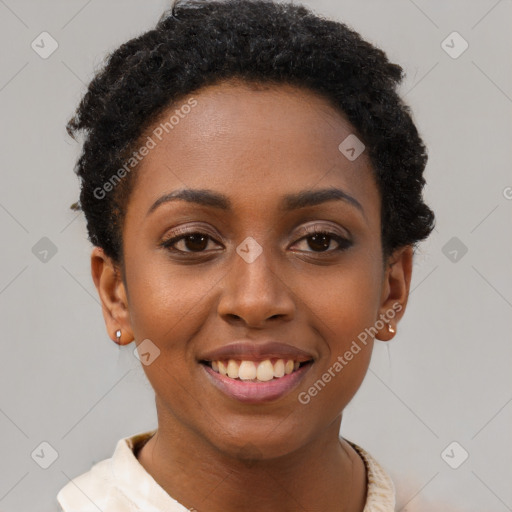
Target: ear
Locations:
point(111, 289)
point(395, 290)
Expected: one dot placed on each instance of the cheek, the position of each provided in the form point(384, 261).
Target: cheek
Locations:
point(345, 301)
point(168, 306)
point(344, 311)
point(167, 301)
point(344, 317)
point(334, 387)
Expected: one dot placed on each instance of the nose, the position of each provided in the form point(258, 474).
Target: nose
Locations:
point(254, 293)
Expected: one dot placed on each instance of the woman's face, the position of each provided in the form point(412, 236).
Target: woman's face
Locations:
point(264, 162)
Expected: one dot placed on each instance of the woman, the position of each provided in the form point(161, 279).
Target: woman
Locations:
point(252, 185)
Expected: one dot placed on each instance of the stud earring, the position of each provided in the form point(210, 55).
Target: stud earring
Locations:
point(118, 336)
point(391, 329)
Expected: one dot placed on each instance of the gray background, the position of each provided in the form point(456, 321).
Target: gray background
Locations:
point(446, 375)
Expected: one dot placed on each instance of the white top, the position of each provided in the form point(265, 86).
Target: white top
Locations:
point(121, 484)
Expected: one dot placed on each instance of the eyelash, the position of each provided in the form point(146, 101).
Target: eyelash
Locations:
point(344, 243)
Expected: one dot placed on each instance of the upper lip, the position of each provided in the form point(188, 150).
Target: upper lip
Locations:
point(248, 350)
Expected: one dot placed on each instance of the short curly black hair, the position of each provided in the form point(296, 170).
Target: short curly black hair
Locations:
point(200, 42)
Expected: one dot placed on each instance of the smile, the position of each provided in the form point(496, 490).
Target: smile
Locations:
point(255, 371)
point(256, 381)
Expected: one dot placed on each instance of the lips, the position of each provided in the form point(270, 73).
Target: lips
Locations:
point(256, 392)
point(255, 373)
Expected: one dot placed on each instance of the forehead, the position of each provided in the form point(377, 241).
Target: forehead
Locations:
point(252, 143)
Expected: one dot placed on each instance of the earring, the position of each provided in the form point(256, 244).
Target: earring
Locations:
point(118, 336)
point(391, 329)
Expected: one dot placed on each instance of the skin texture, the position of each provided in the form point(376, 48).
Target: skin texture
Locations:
point(254, 145)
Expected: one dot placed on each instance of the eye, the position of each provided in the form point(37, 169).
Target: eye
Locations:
point(193, 241)
point(320, 239)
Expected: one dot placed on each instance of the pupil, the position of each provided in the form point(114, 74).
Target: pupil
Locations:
point(324, 244)
point(196, 239)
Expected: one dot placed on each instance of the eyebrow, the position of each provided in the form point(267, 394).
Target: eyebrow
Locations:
point(303, 199)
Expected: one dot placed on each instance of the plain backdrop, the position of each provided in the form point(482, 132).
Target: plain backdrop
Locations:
point(435, 408)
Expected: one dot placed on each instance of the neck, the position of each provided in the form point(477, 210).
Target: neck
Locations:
point(325, 474)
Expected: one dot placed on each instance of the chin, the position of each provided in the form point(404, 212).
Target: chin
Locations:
point(252, 439)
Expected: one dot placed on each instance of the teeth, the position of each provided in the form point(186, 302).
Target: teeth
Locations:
point(250, 370)
point(279, 368)
point(222, 367)
point(233, 369)
point(265, 371)
point(247, 370)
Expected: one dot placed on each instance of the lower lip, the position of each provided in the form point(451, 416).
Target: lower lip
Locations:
point(256, 392)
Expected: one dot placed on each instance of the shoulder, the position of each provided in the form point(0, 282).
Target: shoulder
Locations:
point(101, 487)
point(88, 491)
point(380, 493)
